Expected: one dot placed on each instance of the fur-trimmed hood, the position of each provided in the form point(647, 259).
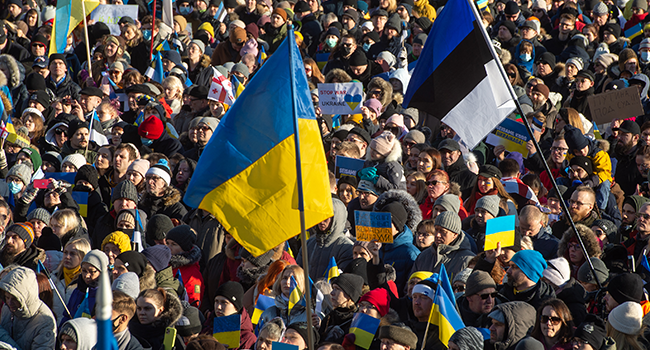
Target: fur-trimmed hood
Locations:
point(395, 154)
point(3, 79)
point(409, 203)
point(588, 237)
point(170, 197)
point(186, 258)
point(385, 87)
point(17, 70)
point(148, 279)
point(172, 313)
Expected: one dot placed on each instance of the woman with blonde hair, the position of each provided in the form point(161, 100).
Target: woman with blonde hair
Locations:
point(173, 91)
point(282, 290)
point(35, 123)
point(132, 35)
point(67, 225)
point(568, 116)
point(65, 275)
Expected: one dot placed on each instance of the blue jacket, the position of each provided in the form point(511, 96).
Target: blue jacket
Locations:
point(545, 243)
point(400, 254)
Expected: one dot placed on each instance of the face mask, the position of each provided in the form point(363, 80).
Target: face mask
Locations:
point(146, 34)
point(128, 231)
point(14, 187)
point(645, 56)
point(525, 57)
point(366, 47)
point(330, 42)
point(146, 142)
point(81, 188)
point(185, 10)
point(346, 50)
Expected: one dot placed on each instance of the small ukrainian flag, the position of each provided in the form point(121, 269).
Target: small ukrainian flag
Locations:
point(444, 315)
point(227, 330)
point(364, 328)
point(501, 229)
point(295, 296)
point(332, 270)
point(634, 31)
point(263, 303)
point(82, 200)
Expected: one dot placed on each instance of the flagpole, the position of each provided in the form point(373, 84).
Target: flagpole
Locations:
point(153, 25)
point(83, 8)
point(504, 76)
point(301, 197)
point(49, 278)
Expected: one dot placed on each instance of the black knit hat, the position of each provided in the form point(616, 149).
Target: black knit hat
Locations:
point(583, 162)
point(88, 173)
point(158, 256)
point(592, 330)
point(398, 213)
point(260, 261)
point(358, 58)
point(190, 323)
point(25, 231)
point(35, 81)
point(41, 97)
point(302, 329)
point(125, 189)
point(133, 261)
point(361, 132)
point(48, 240)
point(157, 228)
point(233, 291)
point(400, 335)
point(76, 125)
point(51, 158)
point(626, 287)
point(351, 285)
point(183, 235)
point(359, 267)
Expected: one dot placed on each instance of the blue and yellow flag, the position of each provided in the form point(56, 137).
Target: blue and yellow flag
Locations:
point(155, 69)
point(332, 270)
point(261, 57)
point(644, 263)
point(263, 303)
point(364, 328)
point(69, 13)
point(295, 296)
point(444, 315)
point(227, 330)
point(443, 281)
point(250, 180)
point(634, 31)
point(82, 200)
point(501, 229)
point(237, 86)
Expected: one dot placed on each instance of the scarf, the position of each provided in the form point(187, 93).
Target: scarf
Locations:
point(70, 274)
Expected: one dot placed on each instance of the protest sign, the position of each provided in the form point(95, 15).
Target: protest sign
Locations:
point(501, 229)
point(364, 328)
point(111, 14)
point(510, 134)
point(373, 225)
point(615, 104)
point(347, 166)
point(340, 98)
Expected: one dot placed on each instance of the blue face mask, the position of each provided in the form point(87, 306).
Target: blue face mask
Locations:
point(525, 57)
point(185, 10)
point(645, 56)
point(146, 142)
point(146, 34)
point(365, 47)
point(330, 42)
point(14, 187)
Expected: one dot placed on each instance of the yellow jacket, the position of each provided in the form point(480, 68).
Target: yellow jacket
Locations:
point(602, 165)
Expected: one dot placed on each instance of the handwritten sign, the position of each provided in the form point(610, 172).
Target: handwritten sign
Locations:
point(111, 14)
point(371, 225)
point(510, 134)
point(340, 98)
point(615, 104)
point(347, 166)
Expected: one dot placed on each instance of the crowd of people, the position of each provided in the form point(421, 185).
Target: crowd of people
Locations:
point(97, 155)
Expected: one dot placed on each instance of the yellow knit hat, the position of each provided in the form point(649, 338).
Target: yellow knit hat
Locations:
point(421, 275)
point(120, 239)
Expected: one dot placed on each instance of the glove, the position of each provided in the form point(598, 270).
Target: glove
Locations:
point(348, 342)
point(334, 334)
point(368, 174)
point(29, 194)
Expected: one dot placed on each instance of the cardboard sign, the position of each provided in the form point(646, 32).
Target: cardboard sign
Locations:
point(342, 98)
point(510, 134)
point(111, 14)
point(615, 104)
point(347, 166)
point(371, 225)
point(501, 229)
point(364, 328)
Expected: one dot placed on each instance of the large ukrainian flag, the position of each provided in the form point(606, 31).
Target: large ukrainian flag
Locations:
point(247, 176)
point(69, 13)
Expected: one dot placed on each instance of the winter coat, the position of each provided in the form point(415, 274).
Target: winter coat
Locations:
point(563, 225)
point(90, 155)
point(86, 330)
point(221, 268)
point(224, 53)
point(602, 164)
point(533, 296)
point(66, 88)
point(460, 174)
point(28, 258)
point(520, 319)
point(78, 296)
point(588, 238)
point(298, 313)
point(470, 318)
point(166, 144)
point(247, 336)
point(333, 243)
point(274, 36)
point(168, 204)
point(390, 174)
point(33, 326)
point(165, 280)
point(64, 291)
point(339, 318)
point(210, 234)
point(575, 298)
point(154, 332)
point(455, 256)
point(188, 265)
point(545, 243)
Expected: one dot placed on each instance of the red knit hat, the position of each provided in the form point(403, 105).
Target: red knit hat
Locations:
point(152, 128)
point(379, 298)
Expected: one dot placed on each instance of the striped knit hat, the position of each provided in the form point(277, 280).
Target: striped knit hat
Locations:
point(161, 169)
point(25, 231)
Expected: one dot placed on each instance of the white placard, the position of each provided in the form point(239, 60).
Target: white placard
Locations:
point(340, 98)
point(111, 14)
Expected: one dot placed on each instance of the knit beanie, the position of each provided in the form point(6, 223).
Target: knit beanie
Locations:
point(127, 283)
point(302, 328)
point(478, 281)
point(158, 226)
point(21, 171)
point(34, 156)
point(574, 138)
point(97, 259)
point(379, 298)
point(422, 275)
point(152, 128)
point(542, 89)
point(416, 136)
point(607, 226)
point(531, 263)
point(49, 241)
point(490, 204)
point(233, 291)
point(576, 61)
point(183, 235)
point(125, 189)
point(161, 169)
point(351, 285)
point(53, 158)
point(529, 343)
point(76, 159)
point(600, 9)
point(384, 143)
point(468, 338)
point(25, 231)
point(127, 215)
point(400, 335)
point(88, 173)
point(359, 267)
point(586, 276)
point(592, 331)
point(627, 318)
point(140, 165)
point(133, 261)
point(398, 213)
point(626, 287)
point(374, 105)
point(68, 330)
point(364, 245)
point(583, 162)
point(450, 202)
point(558, 271)
point(120, 239)
point(190, 323)
point(450, 221)
point(259, 261)
point(39, 214)
point(249, 48)
point(158, 256)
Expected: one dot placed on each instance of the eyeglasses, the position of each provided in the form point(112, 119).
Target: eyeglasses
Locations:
point(559, 149)
point(435, 182)
point(38, 45)
point(375, 92)
point(492, 295)
point(409, 144)
point(512, 75)
point(575, 246)
point(643, 216)
point(554, 320)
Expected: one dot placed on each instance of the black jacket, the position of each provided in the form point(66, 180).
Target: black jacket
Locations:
point(66, 88)
point(460, 174)
point(535, 296)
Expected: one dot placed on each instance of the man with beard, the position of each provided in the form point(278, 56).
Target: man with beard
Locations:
point(78, 140)
point(524, 279)
point(581, 209)
point(625, 150)
point(423, 294)
point(479, 299)
point(639, 237)
point(18, 247)
point(541, 103)
point(364, 202)
point(251, 268)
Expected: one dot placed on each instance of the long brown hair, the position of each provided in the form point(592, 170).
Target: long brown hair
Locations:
point(566, 332)
point(501, 192)
point(316, 76)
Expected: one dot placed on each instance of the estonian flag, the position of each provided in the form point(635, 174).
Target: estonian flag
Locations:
point(155, 69)
point(457, 78)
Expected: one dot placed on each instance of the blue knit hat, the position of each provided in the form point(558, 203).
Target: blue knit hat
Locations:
point(531, 263)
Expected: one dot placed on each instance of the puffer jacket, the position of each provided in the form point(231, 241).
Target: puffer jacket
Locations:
point(520, 319)
point(168, 204)
point(86, 330)
point(165, 280)
point(154, 332)
point(333, 243)
point(188, 265)
point(455, 256)
point(33, 326)
point(389, 171)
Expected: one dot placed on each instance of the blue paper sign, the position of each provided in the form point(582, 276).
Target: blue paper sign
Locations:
point(347, 166)
point(510, 134)
point(67, 177)
point(371, 225)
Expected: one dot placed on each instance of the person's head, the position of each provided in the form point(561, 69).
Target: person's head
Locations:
point(18, 238)
point(625, 324)
point(486, 208)
point(438, 183)
point(92, 265)
point(158, 178)
point(90, 98)
point(228, 299)
point(480, 292)
point(425, 234)
point(531, 220)
point(586, 277)
point(151, 304)
point(622, 288)
point(283, 283)
point(554, 321)
point(590, 334)
point(270, 332)
point(63, 221)
point(448, 228)
point(19, 177)
point(180, 239)
point(449, 152)
point(74, 252)
point(466, 338)
point(367, 194)
point(396, 337)
point(526, 268)
point(423, 294)
point(123, 311)
point(375, 303)
point(297, 334)
point(582, 202)
point(114, 244)
point(584, 80)
point(347, 189)
point(559, 150)
point(429, 160)
point(77, 334)
point(346, 290)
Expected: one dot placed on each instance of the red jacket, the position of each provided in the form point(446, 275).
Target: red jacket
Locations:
point(427, 209)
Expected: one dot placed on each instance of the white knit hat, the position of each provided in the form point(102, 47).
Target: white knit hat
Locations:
point(627, 318)
point(77, 159)
point(558, 271)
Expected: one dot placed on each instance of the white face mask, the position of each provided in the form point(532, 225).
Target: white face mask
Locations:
point(645, 56)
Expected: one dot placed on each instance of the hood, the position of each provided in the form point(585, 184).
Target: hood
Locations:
point(402, 74)
point(186, 258)
point(646, 86)
point(635, 201)
point(590, 241)
point(337, 228)
point(409, 203)
point(21, 283)
point(172, 313)
point(460, 243)
point(170, 197)
point(86, 330)
point(395, 154)
point(520, 318)
point(383, 85)
point(17, 75)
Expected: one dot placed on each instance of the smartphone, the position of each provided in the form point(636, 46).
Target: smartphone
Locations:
point(170, 338)
point(41, 184)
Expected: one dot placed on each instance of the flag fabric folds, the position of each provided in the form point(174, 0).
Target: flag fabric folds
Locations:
point(294, 296)
point(227, 330)
point(332, 270)
point(457, 79)
point(263, 303)
point(364, 328)
point(221, 89)
point(443, 281)
point(96, 134)
point(69, 13)
point(155, 69)
point(444, 315)
point(249, 181)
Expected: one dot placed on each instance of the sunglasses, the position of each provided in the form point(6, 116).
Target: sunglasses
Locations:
point(59, 131)
point(643, 216)
point(435, 182)
point(492, 295)
point(554, 320)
